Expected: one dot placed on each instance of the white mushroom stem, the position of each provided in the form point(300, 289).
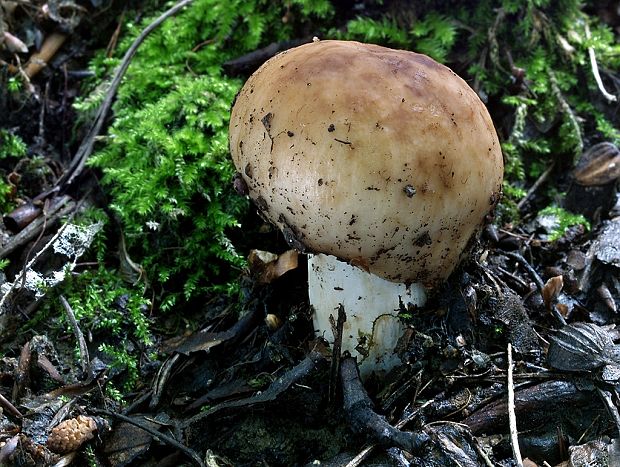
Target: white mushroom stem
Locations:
point(372, 329)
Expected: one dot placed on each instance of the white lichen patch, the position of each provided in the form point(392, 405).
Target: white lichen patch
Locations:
point(75, 239)
point(69, 243)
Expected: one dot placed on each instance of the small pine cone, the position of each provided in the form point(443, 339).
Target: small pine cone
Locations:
point(69, 435)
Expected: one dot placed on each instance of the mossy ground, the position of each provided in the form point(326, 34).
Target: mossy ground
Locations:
point(166, 175)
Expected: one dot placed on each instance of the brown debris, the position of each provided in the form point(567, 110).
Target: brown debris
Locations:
point(534, 406)
point(551, 290)
point(39, 60)
point(593, 192)
point(268, 266)
point(69, 435)
point(599, 165)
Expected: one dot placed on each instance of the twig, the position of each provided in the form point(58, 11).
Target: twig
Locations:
point(364, 453)
point(337, 348)
point(542, 179)
point(595, 72)
point(512, 417)
point(84, 357)
point(9, 407)
point(482, 453)
point(361, 456)
point(46, 207)
point(516, 280)
point(292, 376)
point(39, 60)
point(62, 413)
point(363, 419)
point(86, 148)
point(533, 274)
point(492, 38)
point(109, 50)
point(251, 61)
point(29, 265)
point(164, 374)
point(537, 280)
point(59, 209)
point(570, 114)
point(22, 372)
point(193, 455)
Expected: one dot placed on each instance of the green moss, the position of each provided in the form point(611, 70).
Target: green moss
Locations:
point(433, 35)
point(114, 314)
point(11, 145)
point(165, 161)
point(562, 220)
point(170, 179)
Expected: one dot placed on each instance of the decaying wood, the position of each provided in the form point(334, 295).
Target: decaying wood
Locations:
point(532, 405)
point(335, 364)
point(59, 208)
point(362, 417)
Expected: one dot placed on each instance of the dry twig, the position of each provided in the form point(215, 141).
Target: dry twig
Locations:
point(59, 208)
point(86, 148)
point(84, 357)
point(542, 179)
point(512, 417)
point(363, 419)
point(30, 264)
point(364, 453)
point(39, 60)
point(335, 365)
point(9, 407)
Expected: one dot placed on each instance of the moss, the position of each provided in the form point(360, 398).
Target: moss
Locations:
point(167, 172)
point(561, 219)
point(11, 147)
point(165, 160)
point(433, 35)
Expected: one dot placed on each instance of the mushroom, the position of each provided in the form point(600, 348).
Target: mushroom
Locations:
point(381, 164)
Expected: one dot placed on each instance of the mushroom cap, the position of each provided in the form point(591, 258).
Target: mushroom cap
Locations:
point(383, 158)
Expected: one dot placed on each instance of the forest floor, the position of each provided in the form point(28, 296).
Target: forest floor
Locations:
point(530, 317)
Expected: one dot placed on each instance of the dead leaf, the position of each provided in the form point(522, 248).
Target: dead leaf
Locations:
point(551, 290)
point(581, 347)
point(267, 267)
point(599, 165)
point(128, 441)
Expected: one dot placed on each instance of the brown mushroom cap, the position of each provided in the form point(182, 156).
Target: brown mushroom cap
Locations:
point(383, 158)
